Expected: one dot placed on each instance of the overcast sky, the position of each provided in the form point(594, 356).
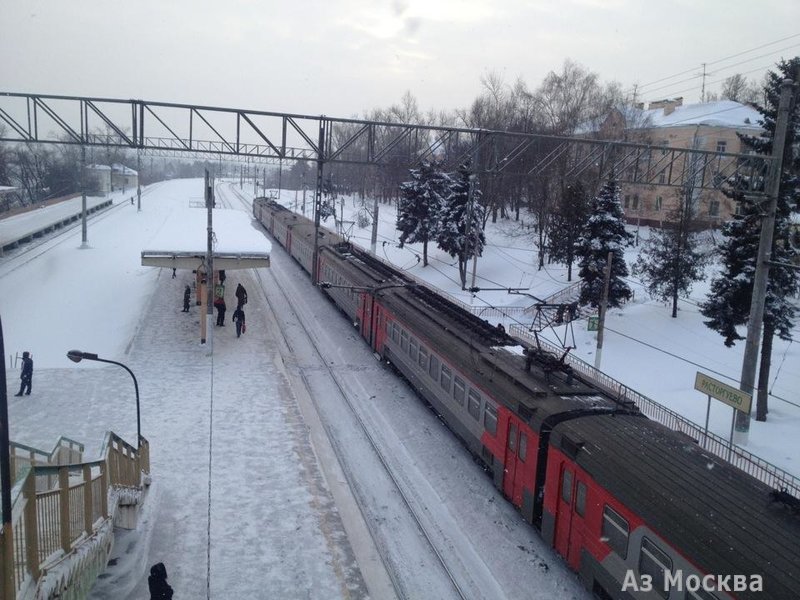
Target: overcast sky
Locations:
point(343, 57)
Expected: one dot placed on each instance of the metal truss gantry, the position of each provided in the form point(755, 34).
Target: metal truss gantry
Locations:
point(160, 128)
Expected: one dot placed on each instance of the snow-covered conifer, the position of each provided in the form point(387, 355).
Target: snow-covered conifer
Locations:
point(420, 201)
point(604, 232)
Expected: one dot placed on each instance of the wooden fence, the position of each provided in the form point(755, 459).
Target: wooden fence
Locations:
point(57, 507)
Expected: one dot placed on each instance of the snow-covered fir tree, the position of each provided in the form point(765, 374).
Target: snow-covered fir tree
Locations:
point(567, 224)
point(420, 201)
point(728, 302)
point(604, 232)
point(459, 229)
point(670, 260)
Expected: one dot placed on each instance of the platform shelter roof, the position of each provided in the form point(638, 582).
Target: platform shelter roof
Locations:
point(182, 241)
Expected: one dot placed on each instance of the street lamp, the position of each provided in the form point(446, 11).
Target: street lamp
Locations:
point(78, 356)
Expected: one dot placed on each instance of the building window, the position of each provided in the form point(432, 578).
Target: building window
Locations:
point(444, 380)
point(654, 562)
point(459, 390)
point(474, 404)
point(722, 146)
point(627, 200)
point(662, 177)
point(615, 531)
point(580, 499)
point(713, 208)
point(490, 419)
point(433, 369)
point(739, 209)
point(659, 202)
point(636, 202)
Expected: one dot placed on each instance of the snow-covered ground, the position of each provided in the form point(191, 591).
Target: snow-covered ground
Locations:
point(255, 500)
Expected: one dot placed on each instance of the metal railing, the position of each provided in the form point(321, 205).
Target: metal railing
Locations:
point(751, 464)
point(48, 525)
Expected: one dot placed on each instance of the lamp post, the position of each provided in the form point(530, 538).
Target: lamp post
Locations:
point(78, 356)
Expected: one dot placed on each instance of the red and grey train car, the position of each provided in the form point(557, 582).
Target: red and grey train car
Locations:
point(636, 509)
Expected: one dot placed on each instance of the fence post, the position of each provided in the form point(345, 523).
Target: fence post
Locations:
point(63, 505)
point(104, 490)
point(87, 499)
point(31, 526)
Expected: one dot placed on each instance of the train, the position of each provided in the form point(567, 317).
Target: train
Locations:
point(636, 509)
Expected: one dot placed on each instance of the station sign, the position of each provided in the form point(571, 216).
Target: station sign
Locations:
point(724, 393)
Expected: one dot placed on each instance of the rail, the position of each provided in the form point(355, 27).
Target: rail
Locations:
point(50, 522)
point(764, 471)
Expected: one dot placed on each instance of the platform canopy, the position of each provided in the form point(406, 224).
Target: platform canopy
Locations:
point(182, 241)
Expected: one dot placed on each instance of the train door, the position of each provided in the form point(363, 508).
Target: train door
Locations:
point(564, 510)
point(516, 456)
point(365, 304)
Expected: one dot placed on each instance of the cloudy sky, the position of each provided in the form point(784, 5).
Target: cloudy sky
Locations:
point(343, 57)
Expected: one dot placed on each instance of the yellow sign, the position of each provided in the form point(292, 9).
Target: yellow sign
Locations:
point(724, 393)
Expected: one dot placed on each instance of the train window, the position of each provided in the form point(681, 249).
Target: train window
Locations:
point(512, 437)
point(423, 358)
point(395, 332)
point(654, 562)
point(490, 419)
point(404, 340)
point(580, 499)
point(433, 369)
point(615, 531)
point(523, 446)
point(474, 404)
point(700, 594)
point(444, 381)
point(566, 487)
point(413, 350)
point(458, 390)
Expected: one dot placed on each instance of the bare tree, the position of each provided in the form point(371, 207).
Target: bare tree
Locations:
point(740, 89)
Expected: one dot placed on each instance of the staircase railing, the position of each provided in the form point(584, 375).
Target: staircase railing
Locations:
point(49, 522)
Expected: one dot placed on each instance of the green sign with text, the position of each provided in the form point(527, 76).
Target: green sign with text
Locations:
point(724, 393)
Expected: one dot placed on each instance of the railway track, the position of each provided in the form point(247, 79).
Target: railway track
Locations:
point(279, 306)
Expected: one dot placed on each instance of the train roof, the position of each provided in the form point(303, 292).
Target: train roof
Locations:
point(692, 498)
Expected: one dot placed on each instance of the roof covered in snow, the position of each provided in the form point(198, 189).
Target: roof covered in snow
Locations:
point(183, 240)
point(725, 113)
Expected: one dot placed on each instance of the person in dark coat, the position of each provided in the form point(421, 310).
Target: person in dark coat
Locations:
point(187, 294)
point(220, 304)
point(27, 374)
point(238, 318)
point(241, 296)
point(157, 582)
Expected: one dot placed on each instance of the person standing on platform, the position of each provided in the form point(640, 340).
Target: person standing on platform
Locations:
point(187, 294)
point(220, 304)
point(238, 318)
point(27, 374)
point(241, 296)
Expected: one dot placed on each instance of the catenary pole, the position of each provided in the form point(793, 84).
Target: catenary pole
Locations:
point(7, 549)
point(317, 200)
point(761, 277)
point(603, 310)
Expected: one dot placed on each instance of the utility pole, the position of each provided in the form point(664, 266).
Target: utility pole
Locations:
point(84, 234)
point(317, 201)
point(209, 194)
point(756, 320)
point(603, 306)
point(138, 182)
